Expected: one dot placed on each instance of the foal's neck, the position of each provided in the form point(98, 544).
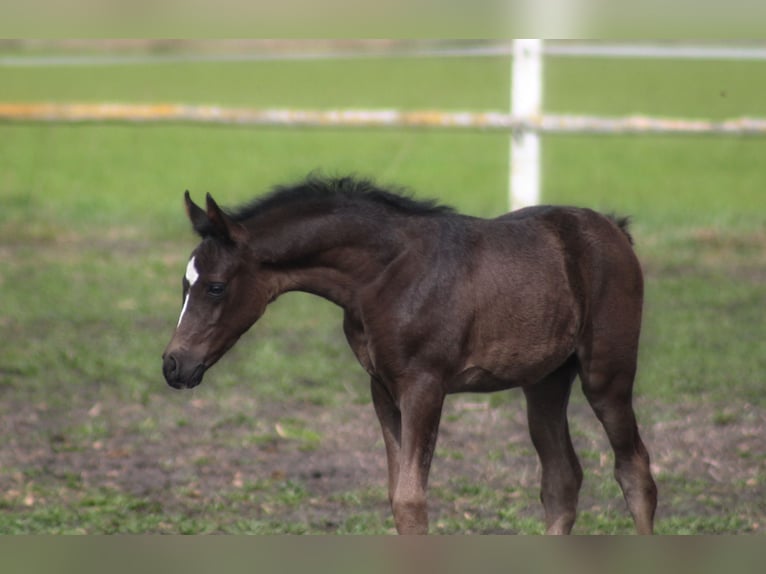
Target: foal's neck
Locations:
point(329, 254)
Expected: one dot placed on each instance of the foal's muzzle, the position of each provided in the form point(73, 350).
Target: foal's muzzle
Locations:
point(180, 373)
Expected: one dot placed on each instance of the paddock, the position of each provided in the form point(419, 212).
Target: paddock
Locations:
point(284, 439)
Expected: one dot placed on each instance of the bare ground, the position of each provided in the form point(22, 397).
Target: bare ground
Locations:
point(186, 451)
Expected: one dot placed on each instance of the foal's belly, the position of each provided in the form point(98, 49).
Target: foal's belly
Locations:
point(479, 380)
point(476, 379)
point(499, 367)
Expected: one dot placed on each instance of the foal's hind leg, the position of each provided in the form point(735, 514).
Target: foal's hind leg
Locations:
point(562, 475)
point(608, 389)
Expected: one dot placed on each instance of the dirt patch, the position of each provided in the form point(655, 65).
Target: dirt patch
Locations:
point(185, 451)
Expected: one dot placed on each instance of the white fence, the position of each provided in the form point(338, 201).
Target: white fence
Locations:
point(525, 122)
point(392, 119)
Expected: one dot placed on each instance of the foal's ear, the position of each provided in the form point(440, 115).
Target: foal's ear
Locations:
point(196, 214)
point(224, 226)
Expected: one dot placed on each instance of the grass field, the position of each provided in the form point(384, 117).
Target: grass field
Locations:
point(281, 437)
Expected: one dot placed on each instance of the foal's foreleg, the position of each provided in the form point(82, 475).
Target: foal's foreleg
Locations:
point(418, 412)
point(391, 425)
point(562, 474)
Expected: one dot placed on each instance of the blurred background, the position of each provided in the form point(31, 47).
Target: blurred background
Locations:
point(281, 437)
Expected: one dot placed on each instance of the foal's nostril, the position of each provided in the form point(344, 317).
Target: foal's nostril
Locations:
point(169, 366)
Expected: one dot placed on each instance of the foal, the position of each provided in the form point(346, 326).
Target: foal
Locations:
point(436, 303)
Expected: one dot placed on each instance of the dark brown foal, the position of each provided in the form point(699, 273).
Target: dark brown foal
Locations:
point(437, 303)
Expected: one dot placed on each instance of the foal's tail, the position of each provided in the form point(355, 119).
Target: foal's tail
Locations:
point(622, 222)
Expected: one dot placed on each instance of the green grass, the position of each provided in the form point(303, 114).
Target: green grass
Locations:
point(93, 241)
point(388, 83)
point(674, 88)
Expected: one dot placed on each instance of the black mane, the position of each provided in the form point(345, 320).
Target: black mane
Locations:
point(339, 191)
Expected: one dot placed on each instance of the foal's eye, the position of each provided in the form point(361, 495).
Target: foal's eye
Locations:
point(216, 289)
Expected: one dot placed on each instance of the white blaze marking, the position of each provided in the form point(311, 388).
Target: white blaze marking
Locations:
point(191, 272)
point(191, 277)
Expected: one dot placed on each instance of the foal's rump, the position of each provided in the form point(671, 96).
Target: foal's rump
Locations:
point(568, 222)
point(596, 249)
point(606, 281)
point(546, 278)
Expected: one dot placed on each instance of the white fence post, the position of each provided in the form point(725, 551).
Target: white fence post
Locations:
point(526, 101)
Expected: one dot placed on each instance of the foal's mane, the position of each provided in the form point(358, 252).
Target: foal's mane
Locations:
point(339, 192)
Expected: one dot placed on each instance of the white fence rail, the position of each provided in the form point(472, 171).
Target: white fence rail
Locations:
point(372, 50)
point(478, 121)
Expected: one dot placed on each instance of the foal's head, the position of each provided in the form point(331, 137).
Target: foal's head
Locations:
point(223, 295)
